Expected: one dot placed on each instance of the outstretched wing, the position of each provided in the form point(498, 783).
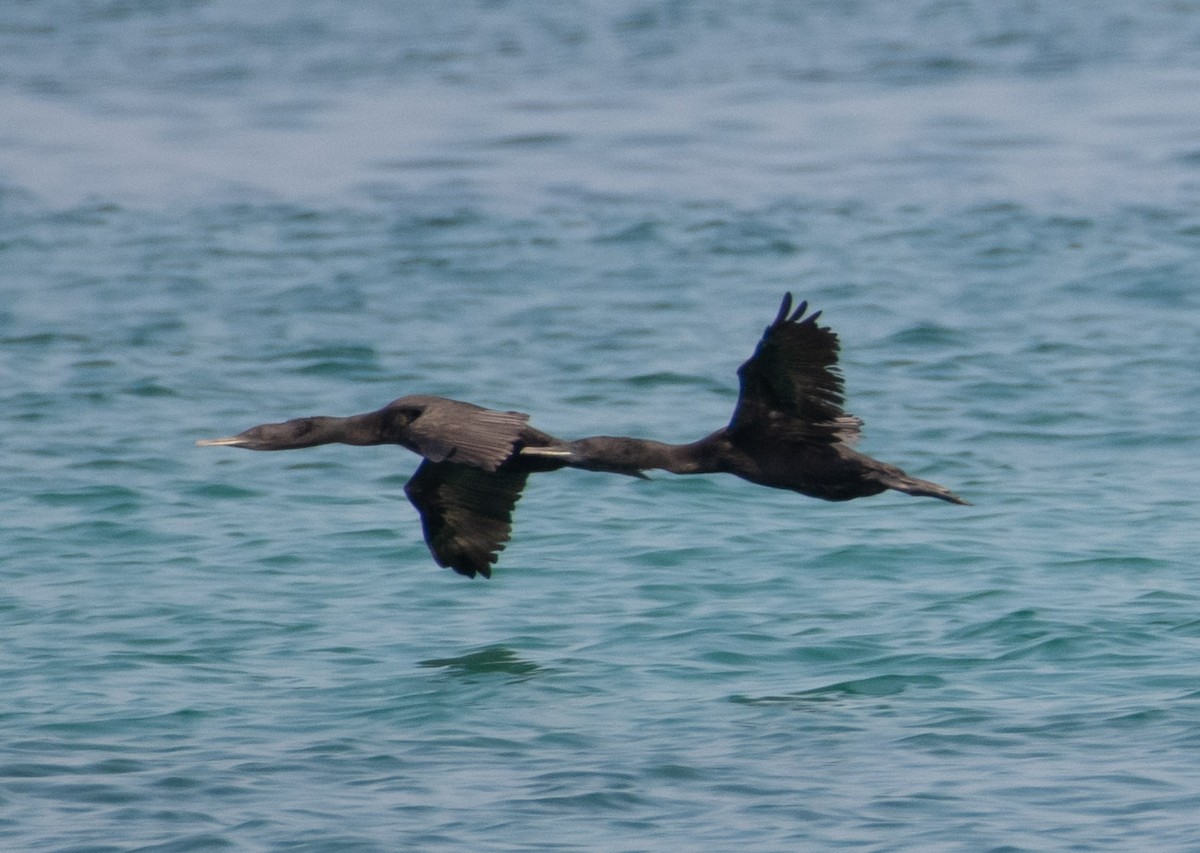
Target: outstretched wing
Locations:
point(466, 512)
point(792, 381)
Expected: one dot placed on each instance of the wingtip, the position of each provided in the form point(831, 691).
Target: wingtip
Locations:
point(471, 571)
point(785, 308)
point(789, 315)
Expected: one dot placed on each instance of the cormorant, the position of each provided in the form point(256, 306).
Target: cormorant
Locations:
point(788, 431)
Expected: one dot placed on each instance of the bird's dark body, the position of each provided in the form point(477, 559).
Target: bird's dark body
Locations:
point(788, 431)
point(818, 471)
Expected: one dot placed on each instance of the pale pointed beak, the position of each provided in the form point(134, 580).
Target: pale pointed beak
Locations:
point(231, 441)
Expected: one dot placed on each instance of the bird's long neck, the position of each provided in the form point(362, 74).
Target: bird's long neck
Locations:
point(365, 429)
point(623, 455)
point(360, 430)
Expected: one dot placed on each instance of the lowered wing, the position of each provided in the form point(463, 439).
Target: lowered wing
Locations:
point(466, 512)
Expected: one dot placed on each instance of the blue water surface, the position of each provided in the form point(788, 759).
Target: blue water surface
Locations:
point(214, 214)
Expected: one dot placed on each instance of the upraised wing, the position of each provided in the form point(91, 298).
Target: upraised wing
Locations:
point(466, 512)
point(792, 383)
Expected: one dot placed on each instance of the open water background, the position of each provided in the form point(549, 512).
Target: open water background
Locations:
point(214, 214)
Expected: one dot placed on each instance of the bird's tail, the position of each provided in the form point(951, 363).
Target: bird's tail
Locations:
point(902, 482)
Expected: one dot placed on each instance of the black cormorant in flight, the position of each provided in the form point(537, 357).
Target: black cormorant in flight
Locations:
point(788, 431)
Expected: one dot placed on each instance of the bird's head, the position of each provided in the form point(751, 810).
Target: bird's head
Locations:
point(301, 432)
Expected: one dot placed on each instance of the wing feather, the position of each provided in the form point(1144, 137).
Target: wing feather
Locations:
point(466, 512)
point(453, 431)
point(792, 380)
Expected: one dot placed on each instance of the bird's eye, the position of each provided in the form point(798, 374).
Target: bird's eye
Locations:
point(401, 417)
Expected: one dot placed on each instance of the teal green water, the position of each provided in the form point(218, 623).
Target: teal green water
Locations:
point(211, 217)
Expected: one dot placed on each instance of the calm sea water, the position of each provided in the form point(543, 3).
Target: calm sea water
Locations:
point(214, 214)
